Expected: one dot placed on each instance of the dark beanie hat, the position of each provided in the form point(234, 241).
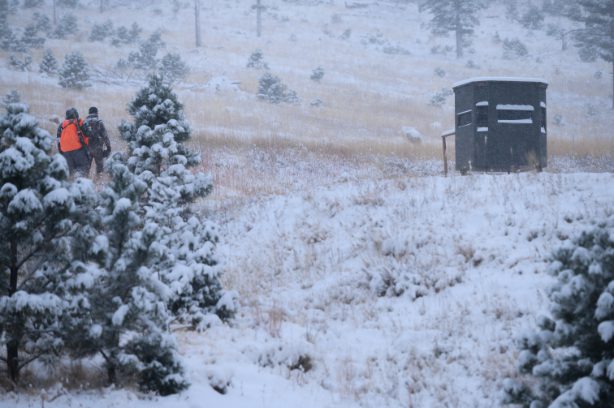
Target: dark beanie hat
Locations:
point(93, 110)
point(72, 114)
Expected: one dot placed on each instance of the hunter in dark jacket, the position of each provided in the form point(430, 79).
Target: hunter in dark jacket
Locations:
point(99, 143)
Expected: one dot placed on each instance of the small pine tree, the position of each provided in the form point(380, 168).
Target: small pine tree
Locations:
point(569, 360)
point(101, 32)
point(145, 58)
point(20, 64)
point(172, 68)
point(67, 25)
point(74, 72)
point(11, 97)
point(317, 74)
point(48, 65)
point(256, 61)
point(30, 37)
point(271, 89)
point(42, 23)
point(532, 18)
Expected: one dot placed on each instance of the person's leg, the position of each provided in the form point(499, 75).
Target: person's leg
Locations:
point(69, 157)
point(82, 163)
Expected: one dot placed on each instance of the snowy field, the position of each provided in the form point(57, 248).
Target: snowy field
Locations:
point(399, 292)
point(365, 277)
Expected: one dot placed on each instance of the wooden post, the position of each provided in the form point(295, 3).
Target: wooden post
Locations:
point(197, 22)
point(445, 148)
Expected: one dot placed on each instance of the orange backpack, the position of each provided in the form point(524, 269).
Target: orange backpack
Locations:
point(72, 137)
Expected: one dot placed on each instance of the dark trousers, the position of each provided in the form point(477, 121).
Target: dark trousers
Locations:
point(98, 157)
point(78, 162)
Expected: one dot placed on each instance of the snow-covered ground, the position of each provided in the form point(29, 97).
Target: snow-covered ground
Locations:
point(387, 292)
point(366, 279)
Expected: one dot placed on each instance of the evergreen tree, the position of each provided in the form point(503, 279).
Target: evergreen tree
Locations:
point(172, 68)
point(158, 155)
point(126, 319)
point(270, 88)
point(49, 65)
point(74, 72)
point(597, 35)
point(67, 25)
point(145, 58)
point(37, 212)
point(569, 360)
point(30, 37)
point(458, 16)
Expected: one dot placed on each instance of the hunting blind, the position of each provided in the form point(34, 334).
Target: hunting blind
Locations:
point(500, 124)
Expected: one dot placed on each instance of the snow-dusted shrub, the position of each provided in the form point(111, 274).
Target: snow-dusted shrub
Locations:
point(48, 65)
point(124, 36)
point(569, 360)
point(532, 18)
point(172, 68)
point(514, 48)
point(42, 23)
point(271, 89)
point(67, 25)
point(317, 74)
point(101, 32)
point(439, 98)
point(256, 61)
point(145, 57)
point(11, 97)
point(296, 356)
point(74, 72)
point(20, 64)
point(30, 37)
point(440, 72)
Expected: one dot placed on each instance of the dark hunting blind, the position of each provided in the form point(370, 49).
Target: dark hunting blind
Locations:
point(500, 124)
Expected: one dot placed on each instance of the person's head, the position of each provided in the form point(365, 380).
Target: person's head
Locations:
point(72, 114)
point(93, 110)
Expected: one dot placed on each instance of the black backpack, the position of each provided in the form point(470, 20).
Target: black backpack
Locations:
point(95, 131)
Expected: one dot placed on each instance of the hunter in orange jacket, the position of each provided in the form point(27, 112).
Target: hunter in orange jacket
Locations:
point(72, 143)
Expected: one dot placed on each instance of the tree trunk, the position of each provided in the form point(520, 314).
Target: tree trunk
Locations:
point(12, 346)
point(613, 82)
point(197, 22)
point(55, 15)
point(258, 18)
point(12, 360)
point(101, 6)
point(459, 31)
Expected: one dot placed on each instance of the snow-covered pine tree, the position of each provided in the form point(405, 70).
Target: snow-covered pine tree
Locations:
point(457, 16)
point(36, 224)
point(48, 65)
point(74, 72)
point(569, 360)
point(158, 155)
point(30, 37)
point(67, 25)
point(145, 58)
point(597, 35)
point(172, 68)
point(126, 319)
